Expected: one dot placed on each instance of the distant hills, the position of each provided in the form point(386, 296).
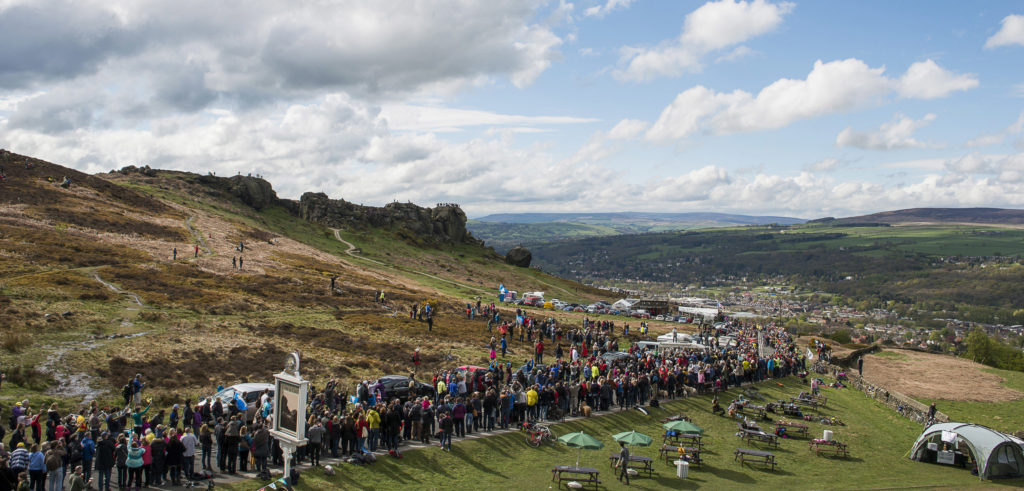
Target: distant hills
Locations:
point(506, 230)
point(684, 220)
point(994, 216)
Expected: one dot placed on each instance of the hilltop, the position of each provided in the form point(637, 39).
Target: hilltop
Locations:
point(206, 278)
point(991, 216)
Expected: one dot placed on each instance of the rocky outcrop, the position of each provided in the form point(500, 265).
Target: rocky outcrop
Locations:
point(445, 223)
point(253, 191)
point(519, 256)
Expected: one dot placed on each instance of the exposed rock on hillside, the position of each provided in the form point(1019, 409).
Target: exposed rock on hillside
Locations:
point(253, 191)
point(519, 256)
point(443, 223)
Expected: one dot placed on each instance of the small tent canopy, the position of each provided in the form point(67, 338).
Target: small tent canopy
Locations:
point(997, 454)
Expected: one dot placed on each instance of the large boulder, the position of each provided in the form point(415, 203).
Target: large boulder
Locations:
point(519, 256)
point(253, 191)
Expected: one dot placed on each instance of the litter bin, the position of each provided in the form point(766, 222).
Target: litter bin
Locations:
point(682, 469)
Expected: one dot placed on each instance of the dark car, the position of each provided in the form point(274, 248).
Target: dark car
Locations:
point(398, 386)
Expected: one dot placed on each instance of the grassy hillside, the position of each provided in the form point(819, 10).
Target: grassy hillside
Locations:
point(91, 291)
point(877, 437)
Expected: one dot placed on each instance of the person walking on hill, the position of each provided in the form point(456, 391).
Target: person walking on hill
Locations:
point(860, 366)
point(624, 463)
point(174, 254)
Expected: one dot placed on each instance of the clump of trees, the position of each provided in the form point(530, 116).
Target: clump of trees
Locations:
point(987, 350)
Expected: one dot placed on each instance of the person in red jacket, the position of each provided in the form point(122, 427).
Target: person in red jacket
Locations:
point(540, 352)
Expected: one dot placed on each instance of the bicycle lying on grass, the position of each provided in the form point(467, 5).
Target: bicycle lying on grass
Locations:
point(536, 434)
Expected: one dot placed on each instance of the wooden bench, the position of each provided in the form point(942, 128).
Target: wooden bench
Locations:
point(751, 436)
point(793, 428)
point(646, 464)
point(756, 456)
point(671, 453)
point(583, 475)
point(829, 447)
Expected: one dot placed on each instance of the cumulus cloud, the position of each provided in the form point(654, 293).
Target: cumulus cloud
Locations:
point(272, 49)
point(836, 86)
point(896, 134)
point(711, 27)
point(927, 80)
point(1011, 33)
point(605, 9)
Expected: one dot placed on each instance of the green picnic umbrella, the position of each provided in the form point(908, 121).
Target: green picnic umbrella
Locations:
point(682, 426)
point(633, 438)
point(581, 440)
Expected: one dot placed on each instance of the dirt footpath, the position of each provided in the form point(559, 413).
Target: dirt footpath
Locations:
point(932, 376)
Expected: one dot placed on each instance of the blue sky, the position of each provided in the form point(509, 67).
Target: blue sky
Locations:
point(789, 108)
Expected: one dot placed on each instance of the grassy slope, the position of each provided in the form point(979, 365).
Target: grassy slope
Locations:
point(878, 439)
point(1003, 416)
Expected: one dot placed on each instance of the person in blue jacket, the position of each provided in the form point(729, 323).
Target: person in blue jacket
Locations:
point(88, 451)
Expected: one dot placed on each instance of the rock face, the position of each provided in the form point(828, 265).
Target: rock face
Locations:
point(444, 223)
point(519, 256)
point(253, 191)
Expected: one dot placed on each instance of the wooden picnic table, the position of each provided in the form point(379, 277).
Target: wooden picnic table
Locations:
point(793, 428)
point(760, 436)
point(830, 447)
point(758, 456)
point(752, 410)
point(646, 463)
point(671, 453)
point(691, 439)
point(584, 475)
point(812, 403)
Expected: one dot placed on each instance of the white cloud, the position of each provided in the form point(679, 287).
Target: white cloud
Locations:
point(737, 53)
point(898, 133)
point(994, 139)
point(602, 145)
point(628, 129)
point(1011, 33)
point(833, 87)
point(271, 50)
point(711, 27)
point(609, 6)
point(406, 117)
point(927, 80)
point(824, 165)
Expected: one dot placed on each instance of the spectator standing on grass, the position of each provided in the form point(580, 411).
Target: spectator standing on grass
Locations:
point(860, 366)
point(37, 468)
point(105, 450)
point(174, 254)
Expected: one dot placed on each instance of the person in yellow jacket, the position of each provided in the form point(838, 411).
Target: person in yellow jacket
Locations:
point(594, 372)
point(442, 388)
point(531, 402)
point(373, 422)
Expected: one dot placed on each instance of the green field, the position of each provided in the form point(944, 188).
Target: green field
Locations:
point(879, 440)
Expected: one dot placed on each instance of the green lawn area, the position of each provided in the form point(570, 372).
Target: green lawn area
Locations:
point(878, 438)
point(1003, 416)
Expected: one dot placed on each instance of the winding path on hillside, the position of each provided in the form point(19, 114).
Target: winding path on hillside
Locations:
point(352, 249)
point(198, 236)
point(117, 290)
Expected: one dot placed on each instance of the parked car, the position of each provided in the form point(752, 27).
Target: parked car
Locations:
point(398, 386)
point(250, 393)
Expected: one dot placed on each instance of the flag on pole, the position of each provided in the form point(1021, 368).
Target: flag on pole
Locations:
point(810, 354)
